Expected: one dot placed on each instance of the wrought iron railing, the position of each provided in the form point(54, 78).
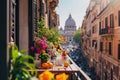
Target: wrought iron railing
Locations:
point(106, 31)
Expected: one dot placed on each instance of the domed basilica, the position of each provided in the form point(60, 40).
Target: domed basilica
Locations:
point(69, 29)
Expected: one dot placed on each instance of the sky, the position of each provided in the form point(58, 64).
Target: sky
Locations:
point(77, 8)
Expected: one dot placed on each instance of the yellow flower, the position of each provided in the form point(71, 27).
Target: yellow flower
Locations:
point(62, 76)
point(47, 75)
point(51, 43)
point(59, 39)
point(59, 51)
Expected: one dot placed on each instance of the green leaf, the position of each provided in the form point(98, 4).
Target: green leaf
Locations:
point(20, 66)
point(23, 51)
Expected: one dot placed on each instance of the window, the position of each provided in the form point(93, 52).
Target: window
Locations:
point(93, 30)
point(111, 21)
point(103, 24)
point(92, 43)
point(96, 45)
point(110, 48)
point(118, 51)
point(101, 46)
point(99, 25)
point(118, 18)
point(106, 21)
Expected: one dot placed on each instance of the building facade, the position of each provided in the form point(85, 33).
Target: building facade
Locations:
point(69, 29)
point(105, 41)
point(18, 23)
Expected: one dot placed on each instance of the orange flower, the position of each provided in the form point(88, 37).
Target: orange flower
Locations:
point(42, 51)
point(59, 51)
point(62, 76)
point(66, 64)
point(56, 46)
point(47, 75)
point(64, 53)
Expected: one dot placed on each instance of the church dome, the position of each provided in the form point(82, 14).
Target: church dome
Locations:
point(70, 21)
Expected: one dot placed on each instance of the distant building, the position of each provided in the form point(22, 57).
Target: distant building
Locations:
point(69, 29)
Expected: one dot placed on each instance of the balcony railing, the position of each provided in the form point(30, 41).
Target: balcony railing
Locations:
point(106, 31)
point(75, 73)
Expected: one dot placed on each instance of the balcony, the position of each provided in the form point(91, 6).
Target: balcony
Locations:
point(74, 72)
point(106, 31)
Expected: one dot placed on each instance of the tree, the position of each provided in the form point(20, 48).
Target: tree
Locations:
point(76, 37)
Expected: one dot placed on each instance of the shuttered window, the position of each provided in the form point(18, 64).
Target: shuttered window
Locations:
point(110, 48)
point(106, 21)
point(111, 21)
point(118, 18)
point(118, 51)
point(101, 46)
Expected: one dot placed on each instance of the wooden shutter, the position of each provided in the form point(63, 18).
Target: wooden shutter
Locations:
point(110, 48)
point(118, 18)
point(101, 46)
point(111, 21)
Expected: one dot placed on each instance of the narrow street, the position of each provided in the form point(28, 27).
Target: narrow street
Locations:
point(78, 57)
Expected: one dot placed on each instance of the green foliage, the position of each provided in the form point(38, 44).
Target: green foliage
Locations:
point(19, 64)
point(77, 37)
point(44, 57)
point(41, 24)
point(51, 35)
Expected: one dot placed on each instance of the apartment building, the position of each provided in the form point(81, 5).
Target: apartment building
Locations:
point(105, 40)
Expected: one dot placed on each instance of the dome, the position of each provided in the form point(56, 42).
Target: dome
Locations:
point(70, 21)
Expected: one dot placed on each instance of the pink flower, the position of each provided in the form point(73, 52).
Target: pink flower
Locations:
point(49, 51)
point(38, 50)
point(32, 48)
point(44, 39)
point(44, 46)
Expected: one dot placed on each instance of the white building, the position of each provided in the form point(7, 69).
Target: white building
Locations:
point(69, 29)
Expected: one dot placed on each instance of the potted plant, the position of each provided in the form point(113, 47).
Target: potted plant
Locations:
point(20, 65)
point(44, 57)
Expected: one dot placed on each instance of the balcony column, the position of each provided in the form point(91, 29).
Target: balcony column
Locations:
point(23, 27)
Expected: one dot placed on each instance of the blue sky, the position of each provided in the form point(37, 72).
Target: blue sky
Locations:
point(77, 8)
